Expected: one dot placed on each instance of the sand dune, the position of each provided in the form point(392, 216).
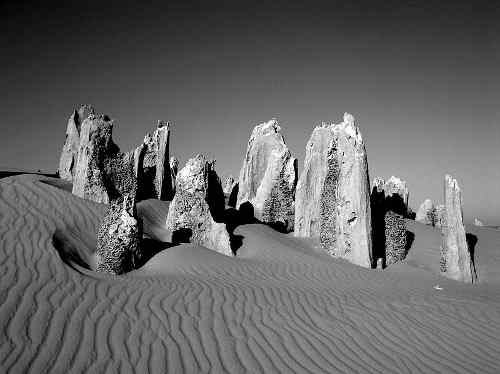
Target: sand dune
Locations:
point(279, 306)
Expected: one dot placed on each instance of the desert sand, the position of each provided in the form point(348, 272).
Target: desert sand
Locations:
point(280, 305)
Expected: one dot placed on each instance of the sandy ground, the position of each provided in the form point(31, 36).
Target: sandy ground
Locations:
point(279, 306)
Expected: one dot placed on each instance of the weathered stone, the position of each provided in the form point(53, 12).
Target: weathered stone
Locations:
point(396, 186)
point(119, 238)
point(477, 222)
point(426, 213)
point(440, 216)
point(268, 176)
point(153, 165)
point(69, 154)
point(332, 198)
point(229, 184)
point(456, 262)
point(395, 238)
point(174, 168)
point(195, 206)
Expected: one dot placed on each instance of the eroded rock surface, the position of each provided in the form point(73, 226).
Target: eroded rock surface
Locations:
point(196, 202)
point(426, 213)
point(119, 238)
point(153, 165)
point(268, 176)
point(440, 216)
point(174, 169)
point(478, 222)
point(456, 262)
point(395, 238)
point(332, 198)
point(69, 154)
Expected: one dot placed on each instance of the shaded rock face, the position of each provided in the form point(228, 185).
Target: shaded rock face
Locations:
point(332, 197)
point(456, 262)
point(395, 238)
point(396, 190)
point(174, 168)
point(69, 154)
point(103, 173)
point(119, 238)
point(152, 165)
point(426, 213)
point(196, 206)
point(268, 176)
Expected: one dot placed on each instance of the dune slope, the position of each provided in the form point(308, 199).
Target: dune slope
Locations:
point(280, 306)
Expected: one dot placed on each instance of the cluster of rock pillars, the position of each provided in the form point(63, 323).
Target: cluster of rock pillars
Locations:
point(330, 201)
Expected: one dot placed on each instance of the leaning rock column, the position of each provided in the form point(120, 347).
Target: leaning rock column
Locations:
point(456, 262)
point(268, 176)
point(69, 154)
point(190, 210)
point(332, 197)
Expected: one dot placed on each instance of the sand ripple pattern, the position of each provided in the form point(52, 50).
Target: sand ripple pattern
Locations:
point(279, 307)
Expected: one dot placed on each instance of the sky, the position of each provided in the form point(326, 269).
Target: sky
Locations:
point(422, 80)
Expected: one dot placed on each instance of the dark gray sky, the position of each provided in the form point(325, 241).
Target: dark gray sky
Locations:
point(422, 80)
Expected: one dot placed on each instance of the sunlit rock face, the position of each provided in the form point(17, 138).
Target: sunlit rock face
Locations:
point(69, 153)
point(197, 203)
point(332, 199)
point(152, 164)
point(174, 169)
point(426, 213)
point(268, 176)
point(440, 215)
point(478, 222)
point(456, 262)
point(119, 238)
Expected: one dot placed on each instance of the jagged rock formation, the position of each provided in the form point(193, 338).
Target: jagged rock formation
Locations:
point(440, 216)
point(174, 168)
point(69, 154)
point(197, 204)
point(153, 165)
point(268, 176)
point(332, 198)
point(478, 222)
point(456, 262)
point(426, 213)
point(119, 238)
point(395, 238)
point(395, 194)
point(102, 173)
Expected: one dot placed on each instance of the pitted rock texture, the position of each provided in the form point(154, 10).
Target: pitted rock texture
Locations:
point(333, 198)
point(426, 213)
point(69, 154)
point(268, 176)
point(228, 185)
point(119, 238)
point(196, 202)
point(440, 216)
point(103, 173)
point(395, 238)
point(456, 262)
point(153, 165)
point(395, 194)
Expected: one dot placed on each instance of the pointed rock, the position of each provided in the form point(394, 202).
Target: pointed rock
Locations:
point(119, 238)
point(229, 184)
point(426, 213)
point(268, 176)
point(191, 213)
point(153, 165)
point(69, 154)
point(174, 168)
point(333, 198)
point(456, 262)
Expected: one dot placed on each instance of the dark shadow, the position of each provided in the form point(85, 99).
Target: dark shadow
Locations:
point(234, 218)
point(69, 255)
point(215, 197)
point(471, 244)
point(410, 238)
point(182, 235)
point(233, 196)
point(282, 227)
point(149, 248)
point(378, 209)
point(59, 183)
